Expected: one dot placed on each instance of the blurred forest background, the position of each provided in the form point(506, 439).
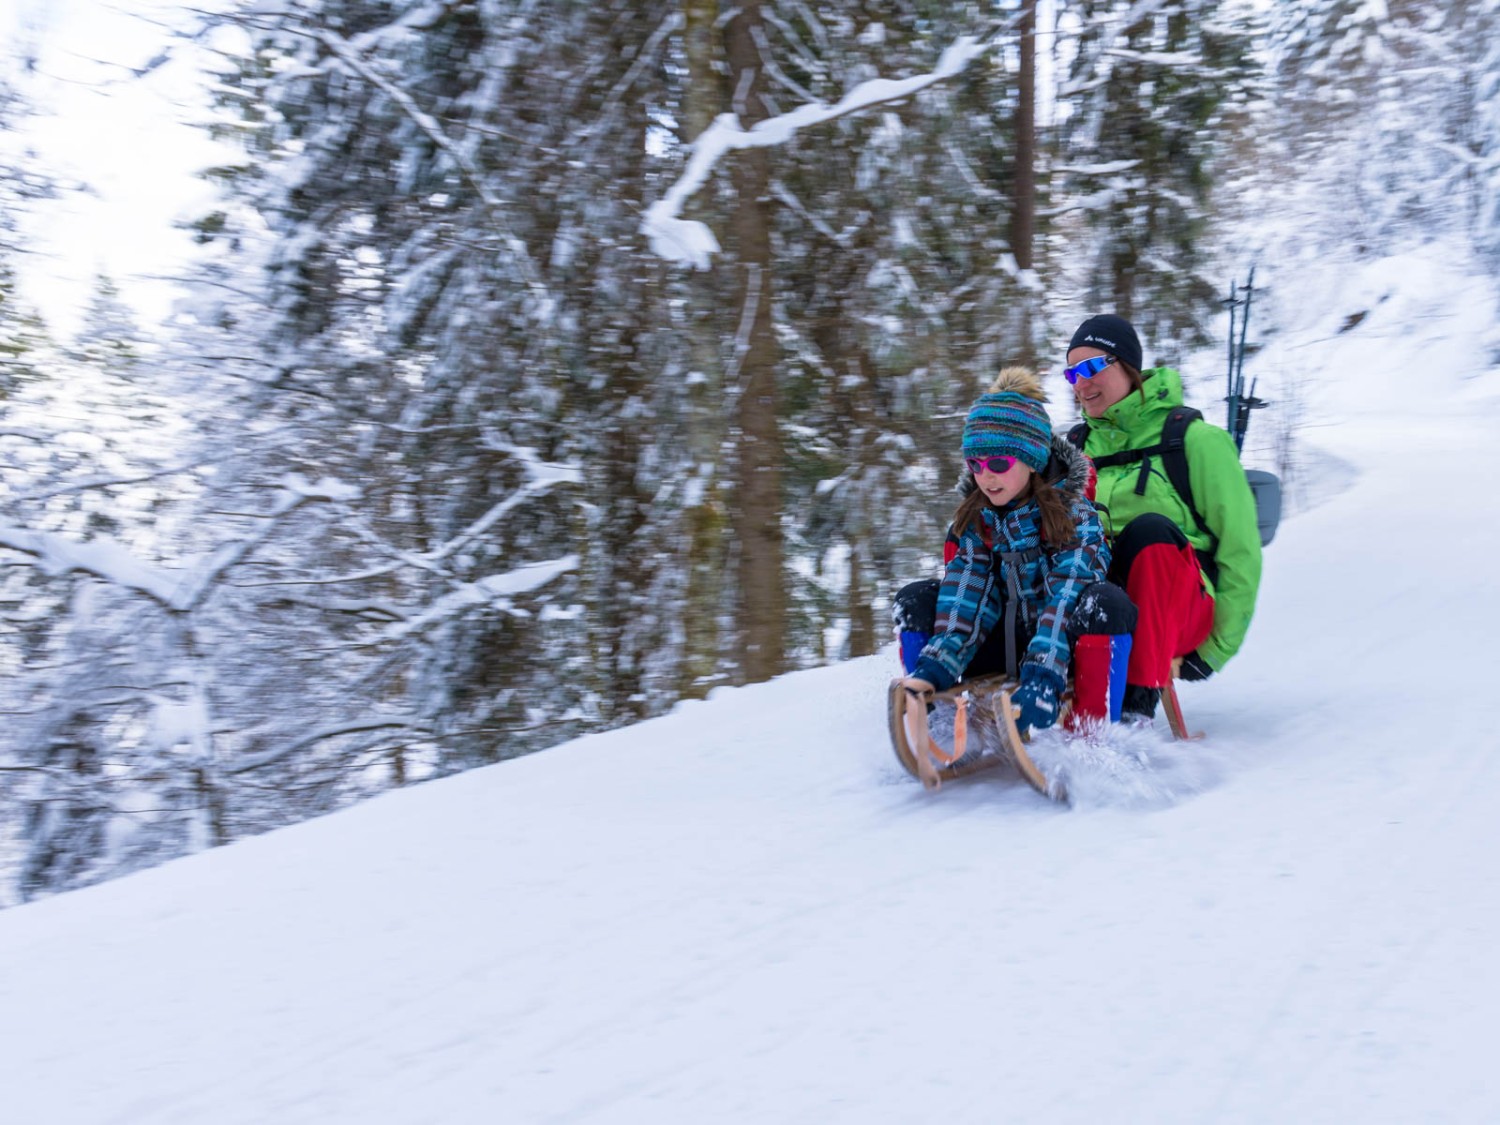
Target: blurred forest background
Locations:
point(440, 462)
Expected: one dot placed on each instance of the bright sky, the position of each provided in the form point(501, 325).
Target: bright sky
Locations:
point(126, 138)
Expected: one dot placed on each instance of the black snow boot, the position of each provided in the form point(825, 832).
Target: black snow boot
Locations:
point(1139, 703)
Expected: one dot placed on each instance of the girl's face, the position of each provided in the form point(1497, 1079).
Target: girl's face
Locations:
point(1003, 487)
point(1098, 394)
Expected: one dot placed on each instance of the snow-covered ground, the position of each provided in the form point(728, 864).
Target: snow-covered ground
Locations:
point(745, 912)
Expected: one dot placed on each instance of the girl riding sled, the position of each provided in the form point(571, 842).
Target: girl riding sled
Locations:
point(1026, 563)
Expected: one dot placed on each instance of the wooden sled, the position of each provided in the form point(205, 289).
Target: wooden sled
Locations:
point(983, 702)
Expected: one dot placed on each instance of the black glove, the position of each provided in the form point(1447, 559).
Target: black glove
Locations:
point(1194, 668)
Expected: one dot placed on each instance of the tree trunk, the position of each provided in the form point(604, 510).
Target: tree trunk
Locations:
point(1023, 214)
point(756, 518)
point(704, 524)
point(1023, 217)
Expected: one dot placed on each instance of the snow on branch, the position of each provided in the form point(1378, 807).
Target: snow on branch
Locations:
point(422, 17)
point(689, 242)
point(257, 761)
point(102, 557)
point(495, 592)
point(345, 53)
point(1108, 168)
point(645, 58)
point(540, 476)
point(295, 492)
point(1106, 47)
point(179, 591)
point(89, 483)
point(29, 435)
point(1166, 60)
point(351, 57)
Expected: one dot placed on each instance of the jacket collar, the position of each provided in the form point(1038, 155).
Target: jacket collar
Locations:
point(1162, 387)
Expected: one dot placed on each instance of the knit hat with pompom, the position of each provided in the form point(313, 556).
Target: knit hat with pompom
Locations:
point(1010, 420)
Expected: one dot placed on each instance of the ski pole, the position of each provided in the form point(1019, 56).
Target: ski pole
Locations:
point(1232, 302)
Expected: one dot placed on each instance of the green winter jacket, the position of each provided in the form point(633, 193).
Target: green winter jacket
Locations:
point(1219, 487)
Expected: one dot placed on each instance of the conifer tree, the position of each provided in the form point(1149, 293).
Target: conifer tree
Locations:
point(1149, 93)
point(1384, 112)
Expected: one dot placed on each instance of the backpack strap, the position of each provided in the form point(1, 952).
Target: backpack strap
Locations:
point(1174, 460)
point(1172, 449)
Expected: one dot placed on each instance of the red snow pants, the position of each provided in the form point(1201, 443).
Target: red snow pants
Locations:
point(1158, 568)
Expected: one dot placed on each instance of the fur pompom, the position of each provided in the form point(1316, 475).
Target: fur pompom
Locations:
point(1020, 381)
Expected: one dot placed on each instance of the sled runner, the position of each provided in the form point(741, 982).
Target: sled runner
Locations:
point(984, 733)
point(1173, 708)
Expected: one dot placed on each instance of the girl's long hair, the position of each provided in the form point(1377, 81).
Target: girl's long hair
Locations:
point(1058, 530)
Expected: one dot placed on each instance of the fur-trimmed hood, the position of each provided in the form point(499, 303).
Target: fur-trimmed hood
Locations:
point(1067, 470)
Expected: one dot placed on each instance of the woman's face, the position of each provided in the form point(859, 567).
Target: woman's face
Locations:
point(1001, 488)
point(1108, 387)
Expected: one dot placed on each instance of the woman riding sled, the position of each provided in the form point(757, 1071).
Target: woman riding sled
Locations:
point(1191, 565)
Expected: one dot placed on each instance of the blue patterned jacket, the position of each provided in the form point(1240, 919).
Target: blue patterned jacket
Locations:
point(980, 571)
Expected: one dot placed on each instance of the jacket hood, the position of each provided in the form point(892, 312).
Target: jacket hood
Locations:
point(1067, 469)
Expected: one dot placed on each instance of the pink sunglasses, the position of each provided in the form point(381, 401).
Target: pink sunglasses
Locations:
point(978, 465)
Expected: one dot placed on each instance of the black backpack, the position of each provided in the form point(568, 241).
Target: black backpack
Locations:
point(1172, 450)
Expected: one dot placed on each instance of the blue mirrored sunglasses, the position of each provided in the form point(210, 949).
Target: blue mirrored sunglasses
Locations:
point(1087, 369)
point(997, 464)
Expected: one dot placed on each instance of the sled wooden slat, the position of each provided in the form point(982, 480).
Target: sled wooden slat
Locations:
point(1018, 748)
point(914, 724)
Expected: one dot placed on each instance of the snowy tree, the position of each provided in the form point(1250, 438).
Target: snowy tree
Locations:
point(454, 460)
point(1485, 143)
point(902, 296)
point(1404, 85)
point(1151, 89)
point(22, 332)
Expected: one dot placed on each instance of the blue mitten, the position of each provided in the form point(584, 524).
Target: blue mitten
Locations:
point(1037, 697)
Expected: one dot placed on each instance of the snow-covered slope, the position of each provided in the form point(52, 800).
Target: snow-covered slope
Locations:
point(745, 912)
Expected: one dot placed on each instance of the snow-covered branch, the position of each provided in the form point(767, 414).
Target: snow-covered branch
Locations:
point(1107, 168)
point(785, 194)
point(91, 483)
point(349, 55)
point(26, 434)
point(102, 557)
point(643, 59)
point(258, 761)
point(345, 52)
point(541, 476)
point(296, 492)
point(110, 560)
point(495, 592)
point(692, 243)
point(768, 60)
point(420, 18)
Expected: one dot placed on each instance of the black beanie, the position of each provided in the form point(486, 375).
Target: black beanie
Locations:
point(1112, 334)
